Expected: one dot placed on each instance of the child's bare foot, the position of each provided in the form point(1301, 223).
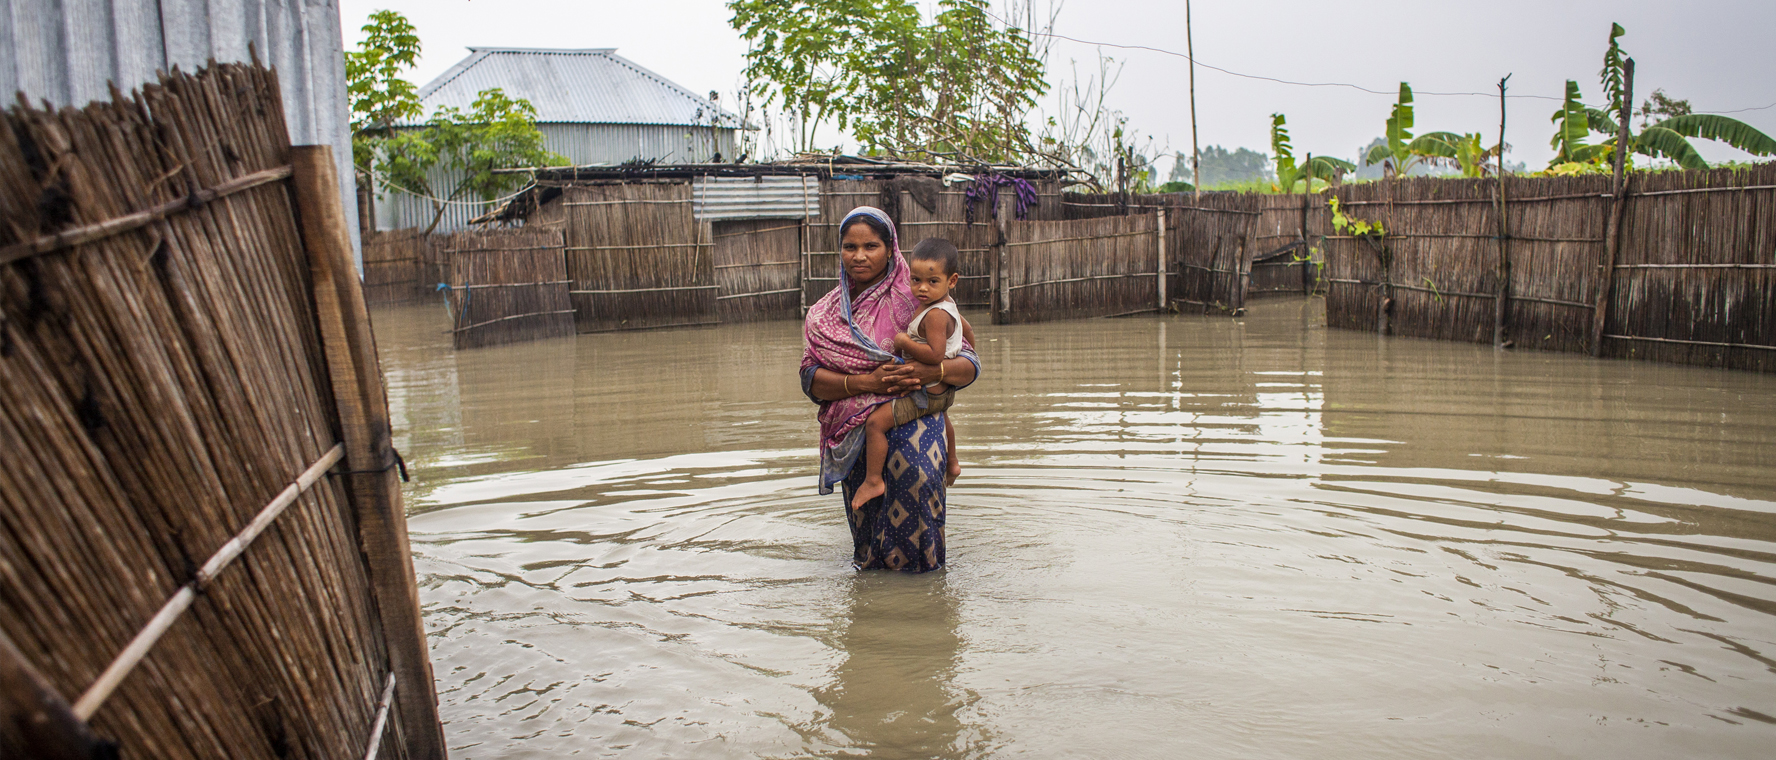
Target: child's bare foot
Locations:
point(952, 472)
point(871, 488)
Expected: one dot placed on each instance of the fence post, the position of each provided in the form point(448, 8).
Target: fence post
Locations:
point(1307, 263)
point(1162, 260)
point(1502, 304)
point(1612, 238)
point(356, 375)
point(1612, 245)
point(1001, 315)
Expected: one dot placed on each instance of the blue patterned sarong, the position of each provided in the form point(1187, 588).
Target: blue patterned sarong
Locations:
point(904, 528)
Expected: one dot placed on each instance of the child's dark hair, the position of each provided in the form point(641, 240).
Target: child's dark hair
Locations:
point(941, 251)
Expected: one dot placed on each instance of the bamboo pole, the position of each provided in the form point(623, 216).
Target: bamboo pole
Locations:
point(356, 376)
point(1606, 276)
point(1503, 303)
point(1196, 179)
point(1162, 260)
point(35, 721)
point(1306, 251)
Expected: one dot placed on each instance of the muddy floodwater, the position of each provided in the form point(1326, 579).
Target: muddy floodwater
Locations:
point(1173, 537)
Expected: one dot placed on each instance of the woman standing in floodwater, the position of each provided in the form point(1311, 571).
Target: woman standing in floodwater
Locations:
point(846, 370)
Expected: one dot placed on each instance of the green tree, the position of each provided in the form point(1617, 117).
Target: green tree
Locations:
point(497, 132)
point(958, 87)
point(1667, 138)
point(380, 97)
point(1324, 168)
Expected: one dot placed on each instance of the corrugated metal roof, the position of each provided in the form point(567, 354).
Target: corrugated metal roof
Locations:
point(590, 86)
point(715, 198)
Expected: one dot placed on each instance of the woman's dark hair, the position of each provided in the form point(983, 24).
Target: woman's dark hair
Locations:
point(941, 251)
point(880, 228)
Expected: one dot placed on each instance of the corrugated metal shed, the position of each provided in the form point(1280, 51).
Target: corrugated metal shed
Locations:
point(714, 198)
point(582, 144)
point(65, 51)
point(593, 107)
point(591, 86)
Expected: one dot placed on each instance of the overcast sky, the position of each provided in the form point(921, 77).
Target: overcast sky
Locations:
point(1716, 54)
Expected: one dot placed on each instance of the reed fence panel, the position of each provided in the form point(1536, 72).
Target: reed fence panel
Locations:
point(758, 266)
point(1281, 260)
point(162, 388)
point(1695, 276)
point(638, 258)
point(401, 266)
point(508, 286)
point(1081, 268)
point(1209, 243)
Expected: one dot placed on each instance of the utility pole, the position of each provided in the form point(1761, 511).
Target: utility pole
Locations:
point(1196, 177)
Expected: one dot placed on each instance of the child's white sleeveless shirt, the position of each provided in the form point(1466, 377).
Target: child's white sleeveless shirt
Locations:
point(952, 346)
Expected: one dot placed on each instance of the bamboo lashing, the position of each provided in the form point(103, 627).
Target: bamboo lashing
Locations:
point(169, 613)
point(381, 722)
point(94, 232)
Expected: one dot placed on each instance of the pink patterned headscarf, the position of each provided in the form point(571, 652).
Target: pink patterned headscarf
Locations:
point(854, 335)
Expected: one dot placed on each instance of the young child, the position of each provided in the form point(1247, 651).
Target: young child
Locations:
point(934, 334)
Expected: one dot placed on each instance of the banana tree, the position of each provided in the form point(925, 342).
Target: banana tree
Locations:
point(1669, 138)
point(1288, 172)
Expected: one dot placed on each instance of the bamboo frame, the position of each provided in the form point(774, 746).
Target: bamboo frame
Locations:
point(94, 232)
point(157, 626)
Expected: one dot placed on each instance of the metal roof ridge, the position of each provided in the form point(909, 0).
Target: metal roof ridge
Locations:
point(681, 89)
point(568, 51)
point(475, 56)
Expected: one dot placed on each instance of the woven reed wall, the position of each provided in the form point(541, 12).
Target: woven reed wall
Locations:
point(637, 257)
point(758, 266)
point(158, 387)
point(1081, 268)
point(1692, 281)
point(1280, 264)
point(947, 219)
point(402, 266)
point(508, 286)
point(1697, 266)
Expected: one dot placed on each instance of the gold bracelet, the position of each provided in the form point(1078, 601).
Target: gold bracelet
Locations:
point(847, 385)
point(940, 370)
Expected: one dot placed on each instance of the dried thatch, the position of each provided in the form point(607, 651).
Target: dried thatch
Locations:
point(637, 257)
point(758, 266)
point(507, 286)
point(162, 379)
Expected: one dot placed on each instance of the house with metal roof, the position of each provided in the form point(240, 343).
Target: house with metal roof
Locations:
point(593, 106)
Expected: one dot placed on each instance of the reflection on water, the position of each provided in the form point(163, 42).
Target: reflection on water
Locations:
point(1173, 536)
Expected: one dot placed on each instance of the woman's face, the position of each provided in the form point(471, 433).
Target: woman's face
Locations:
point(864, 255)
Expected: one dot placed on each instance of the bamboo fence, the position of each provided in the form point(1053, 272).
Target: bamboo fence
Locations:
point(189, 560)
point(1209, 242)
point(1081, 268)
point(401, 266)
point(637, 257)
point(1685, 275)
point(758, 269)
point(507, 286)
point(1282, 253)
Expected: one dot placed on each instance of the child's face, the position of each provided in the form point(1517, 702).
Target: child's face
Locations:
point(930, 284)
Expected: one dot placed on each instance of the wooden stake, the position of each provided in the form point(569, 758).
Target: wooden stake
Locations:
point(1307, 262)
point(1503, 302)
point(1612, 238)
point(1196, 176)
point(1162, 260)
point(356, 375)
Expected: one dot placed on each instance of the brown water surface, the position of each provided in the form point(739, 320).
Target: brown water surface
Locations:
point(1184, 536)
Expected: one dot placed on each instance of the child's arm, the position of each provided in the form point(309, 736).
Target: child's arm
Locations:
point(935, 329)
